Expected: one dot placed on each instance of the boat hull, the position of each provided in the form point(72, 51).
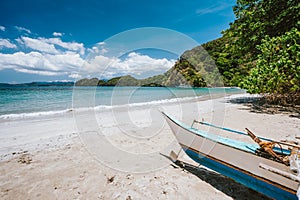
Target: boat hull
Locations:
point(234, 162)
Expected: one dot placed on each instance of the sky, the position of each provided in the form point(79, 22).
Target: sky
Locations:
point(50, 40)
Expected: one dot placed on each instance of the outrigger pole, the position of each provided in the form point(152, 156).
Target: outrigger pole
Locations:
point(242, 133)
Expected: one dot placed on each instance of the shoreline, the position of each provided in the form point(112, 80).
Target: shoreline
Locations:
point(48, 158)
point(190, 97)
point(13, 138)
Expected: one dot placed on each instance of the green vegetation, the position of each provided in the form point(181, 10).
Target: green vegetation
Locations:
point(277, 68)
point(194, 68)
point(155, 81)
point(259, 52)
point(88, 82)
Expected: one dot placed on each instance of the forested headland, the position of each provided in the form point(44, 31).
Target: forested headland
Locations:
point(260, 52)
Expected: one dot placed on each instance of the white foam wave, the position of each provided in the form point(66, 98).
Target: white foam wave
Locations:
point(34, 114)
point(100, 107)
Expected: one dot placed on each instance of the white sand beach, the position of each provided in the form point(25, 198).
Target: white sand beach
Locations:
point(122, 153)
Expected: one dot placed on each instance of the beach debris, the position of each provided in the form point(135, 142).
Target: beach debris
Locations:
point(173, 156)
point(110, 179)
point(25, 159)
point(174, 166)
point(128, 197)
point(129, 177)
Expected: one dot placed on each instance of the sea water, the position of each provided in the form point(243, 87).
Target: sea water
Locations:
point(22, 101)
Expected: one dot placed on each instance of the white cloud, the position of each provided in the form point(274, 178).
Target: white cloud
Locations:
point(99, 64)
point(135, 64)
point(39, 72)
point(66, 62)
point(39, 45)
point(72, 46)
point(47, 45)
point(52, 56)
point(6, 43)
point(22, 29)
point(75, 76)
point(2, 28)
point(47, 56)
point(39, 63)
point(212, 9)
point(70, 63)
point(101, 43)
point(98, 49)
point(57, 34)
point(138, 64)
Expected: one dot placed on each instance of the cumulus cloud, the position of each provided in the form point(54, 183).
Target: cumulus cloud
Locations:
point(6, 43)
point(98, 50)
point(43, 56)
point(138, 64)
point(99, 64)
point(134, 64)
point(57, 34)
point(48, 45)
point(2, 28)
point(39, 63)
point(39, 45)
point(52, 56)
point(22, 29)
point(72, 46)
point(68, 61)
point(75, 76)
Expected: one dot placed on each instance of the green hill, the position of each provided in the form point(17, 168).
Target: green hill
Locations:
point(259, 52)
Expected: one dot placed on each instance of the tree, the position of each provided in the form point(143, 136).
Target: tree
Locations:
point(278, 66)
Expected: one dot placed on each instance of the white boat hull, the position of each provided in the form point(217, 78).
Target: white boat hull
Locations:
point(236, 163)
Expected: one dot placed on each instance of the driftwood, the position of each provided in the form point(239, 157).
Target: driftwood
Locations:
point(266, 146)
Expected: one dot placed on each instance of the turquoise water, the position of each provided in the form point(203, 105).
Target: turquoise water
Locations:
point(34, 99)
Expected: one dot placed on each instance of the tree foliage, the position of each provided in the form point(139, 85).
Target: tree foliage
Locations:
point(277, 68)
point(260, 50)
point(257, 18)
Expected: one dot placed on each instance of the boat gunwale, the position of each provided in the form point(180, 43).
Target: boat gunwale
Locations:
point(195, 132)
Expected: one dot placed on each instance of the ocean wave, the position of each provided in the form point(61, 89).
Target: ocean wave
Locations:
point(34, 114)
point(98, 108)
point(150, 103)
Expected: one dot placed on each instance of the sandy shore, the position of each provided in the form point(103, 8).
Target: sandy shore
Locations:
point(122, 153)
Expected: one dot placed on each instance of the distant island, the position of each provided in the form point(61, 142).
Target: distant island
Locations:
point(43, 83)
point(193, 69)
point(177, 76)
point(155, 81)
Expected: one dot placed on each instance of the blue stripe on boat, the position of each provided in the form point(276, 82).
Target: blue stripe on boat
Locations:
point(246, 179)
point(229, 142)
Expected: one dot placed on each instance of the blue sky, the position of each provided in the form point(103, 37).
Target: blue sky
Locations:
point(44, 40)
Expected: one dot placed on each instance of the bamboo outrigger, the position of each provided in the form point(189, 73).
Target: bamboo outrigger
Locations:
point(273, 171)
